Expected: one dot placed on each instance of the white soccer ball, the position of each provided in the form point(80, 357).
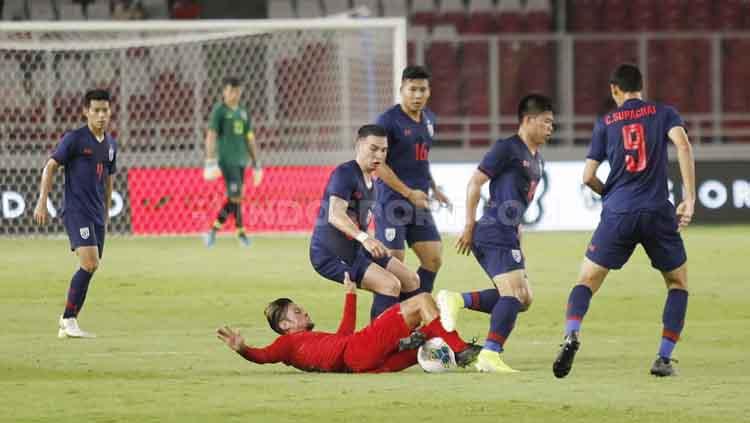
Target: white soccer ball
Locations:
point(435, 356)
point(211, 170)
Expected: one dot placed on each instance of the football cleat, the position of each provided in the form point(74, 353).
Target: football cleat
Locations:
point(490, 362)
point(68, 328)
point(663, 367)
point(468, 356)
point(564, 361)
point(244, 240)
point(412, 342)
point(209, 238)
point(449, 303)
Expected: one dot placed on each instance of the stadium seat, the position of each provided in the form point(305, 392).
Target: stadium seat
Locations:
point(395, 8)
point(510, 61)
point(423, 13)
point(280, 9)
point(13, 9)
point(700, 15)
point(42, 11)
point(730, 15)
point(509, 16)
point(538, 15)
point(372, 5)
point(670, 15)
point(643, 15)
point(309, 9)
point(70, 11)
point(100, 11)
point(616, 16)
point(482, 17)
point(585, 15)
point(452, 12)
point(442, 60)
point(335, 7)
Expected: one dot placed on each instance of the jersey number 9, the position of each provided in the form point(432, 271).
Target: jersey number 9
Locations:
point(634, 141)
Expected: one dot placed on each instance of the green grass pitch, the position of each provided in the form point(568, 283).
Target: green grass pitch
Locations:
point(155, 303)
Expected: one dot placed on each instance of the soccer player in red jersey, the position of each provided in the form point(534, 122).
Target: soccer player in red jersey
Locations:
point(385, 345)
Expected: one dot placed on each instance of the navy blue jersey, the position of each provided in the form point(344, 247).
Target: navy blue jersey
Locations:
point(634, 140)
point(348, 183)
point(409, 144)
point(514, 175)
point(88, 163)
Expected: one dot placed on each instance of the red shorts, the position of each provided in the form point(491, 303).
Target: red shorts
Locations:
point(370, 347)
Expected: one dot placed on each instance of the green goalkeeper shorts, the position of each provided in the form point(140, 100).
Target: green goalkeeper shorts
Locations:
point(234, 178)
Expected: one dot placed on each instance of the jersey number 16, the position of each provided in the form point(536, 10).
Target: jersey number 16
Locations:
point(421, 151)
point(634, 140)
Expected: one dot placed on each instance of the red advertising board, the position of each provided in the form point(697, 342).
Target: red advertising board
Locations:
point(179, 201)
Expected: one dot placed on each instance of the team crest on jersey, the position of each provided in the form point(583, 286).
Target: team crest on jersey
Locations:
point(84, 233)
point(526, 163)
point(111, 153)
point(390, 234)
point(516, 254)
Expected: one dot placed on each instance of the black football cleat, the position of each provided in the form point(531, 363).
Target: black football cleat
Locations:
point(564, 361)
point(469, 355)
point(663, 367)
point(412, 342)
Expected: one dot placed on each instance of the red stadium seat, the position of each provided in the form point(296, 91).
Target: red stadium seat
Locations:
point(671, 15)
point(482, 17)
point(538, 16)
point(729, 16)
point(423, 13)
point(616, 16)
point(509, 16)
point(585, 15)
point(700, 15)
point(452, 12)
point(643, 15)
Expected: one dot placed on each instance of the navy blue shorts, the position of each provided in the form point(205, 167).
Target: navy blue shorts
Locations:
point(496, 260)
point(618, 234)
point(399, 221)
point(83, 232)
point(333, 267)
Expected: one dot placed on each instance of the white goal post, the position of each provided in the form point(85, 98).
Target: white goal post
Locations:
point(308, 84)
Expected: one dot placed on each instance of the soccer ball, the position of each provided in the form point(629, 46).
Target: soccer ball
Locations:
point(435, 356)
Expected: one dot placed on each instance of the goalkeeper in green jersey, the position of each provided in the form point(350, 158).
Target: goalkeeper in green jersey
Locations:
point(230, 128)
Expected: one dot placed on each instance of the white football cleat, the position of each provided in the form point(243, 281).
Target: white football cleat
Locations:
point(69, 329)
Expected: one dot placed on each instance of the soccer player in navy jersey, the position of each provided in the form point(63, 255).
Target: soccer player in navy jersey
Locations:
point(89, 155)
point(404, 180)
point(385, 345)
point(340, 242)
point(636, 209)
point(513, 167)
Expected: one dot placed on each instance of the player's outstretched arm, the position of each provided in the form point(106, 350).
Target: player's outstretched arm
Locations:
point(589, 176)
point(415, 196)
point(473, 193)
point(231, 338)
point(108, 198)
point(340, 220)
point(439, 195)
point(685, 158)
point(45, 186)
point(349, 318)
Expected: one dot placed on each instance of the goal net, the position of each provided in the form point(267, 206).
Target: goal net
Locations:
point(308, 85)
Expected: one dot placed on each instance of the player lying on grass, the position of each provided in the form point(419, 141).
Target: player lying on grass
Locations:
point(387, 344)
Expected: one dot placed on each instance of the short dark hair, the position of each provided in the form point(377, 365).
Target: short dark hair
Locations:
point(365, 131)
point(97, 94)
point(232, 81)
point(628, 78)
point(534, 104)
point(415, 72)
point(276, 312)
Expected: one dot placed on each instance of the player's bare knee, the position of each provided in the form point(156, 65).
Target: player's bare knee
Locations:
point(411, 283)
point(90, 265)
point(392, 287)
point(432, 263)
